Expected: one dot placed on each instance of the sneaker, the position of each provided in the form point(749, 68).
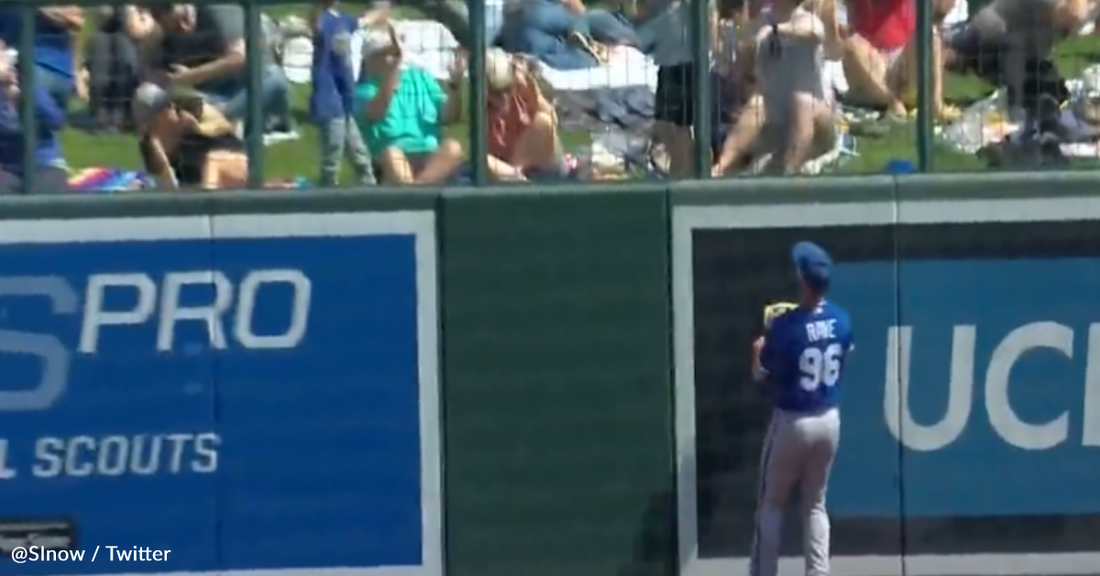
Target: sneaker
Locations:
point(277, 137)
point(279, 130)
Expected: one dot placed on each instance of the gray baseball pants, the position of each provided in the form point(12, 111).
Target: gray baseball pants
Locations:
point(798, 451)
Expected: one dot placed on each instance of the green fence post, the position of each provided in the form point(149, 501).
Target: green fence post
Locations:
point(26, 97)
point(924, 86)
point(700, 41)
point(255, 47)
point(479, 151)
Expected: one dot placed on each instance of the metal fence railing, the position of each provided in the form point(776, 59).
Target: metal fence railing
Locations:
point(288, 93)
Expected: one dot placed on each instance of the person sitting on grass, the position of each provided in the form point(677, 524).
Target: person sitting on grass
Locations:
point(202, 46)
point(55, 33)
point(49, 174)
point(110, 70)
point(523, 126)
point(401, 110)
point(186, 142)
point(669, 27)
point(790, 118)
point(731, 80)
point(880, 58)
point(1010, 43)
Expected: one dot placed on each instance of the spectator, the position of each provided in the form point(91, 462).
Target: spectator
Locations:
point(453, 14)
point(111, 62)
point(203, 47)
point(549, 31)
point(50, 174)
point(731, 80)
point(333, 91)
point(669, 26)
point(279, 119)
point(880, 59)
point(563, 33)
point(790, 118)
point(186, 142)
point(56, 27)
point(1009, 43)
point(522, 133)
point(604, 26)
point(402, 111)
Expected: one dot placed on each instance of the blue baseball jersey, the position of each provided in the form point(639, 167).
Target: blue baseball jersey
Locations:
point(803, 357)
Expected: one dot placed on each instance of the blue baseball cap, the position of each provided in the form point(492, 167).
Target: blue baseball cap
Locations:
point(813, 264)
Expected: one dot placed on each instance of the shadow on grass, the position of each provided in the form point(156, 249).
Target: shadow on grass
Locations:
point(964, 101)
point(301, 116)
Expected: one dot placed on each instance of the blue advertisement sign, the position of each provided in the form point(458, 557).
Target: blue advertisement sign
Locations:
point(252, 392)
point(985, 374)
point(970, 417)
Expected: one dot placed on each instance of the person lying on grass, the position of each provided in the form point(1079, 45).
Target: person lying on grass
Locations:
point(186, 142)
point(401, 110)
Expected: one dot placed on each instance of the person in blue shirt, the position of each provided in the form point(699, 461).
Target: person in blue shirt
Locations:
point(56, 29)
point(50, 174)
point(801, 360)
point(333, 78)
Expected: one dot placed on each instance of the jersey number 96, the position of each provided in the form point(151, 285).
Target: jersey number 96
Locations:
point(819, 367)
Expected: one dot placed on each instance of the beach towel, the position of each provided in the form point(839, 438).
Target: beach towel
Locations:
point(104, 179)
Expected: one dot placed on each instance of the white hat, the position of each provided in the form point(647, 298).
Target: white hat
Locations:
point(376, 40)
point(147, 101)
point(1087, 105)
point(498, 69)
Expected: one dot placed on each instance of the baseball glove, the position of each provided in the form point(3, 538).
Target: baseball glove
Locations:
point(773, 311)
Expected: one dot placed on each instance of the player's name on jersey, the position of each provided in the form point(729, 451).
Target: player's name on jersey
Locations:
point(112, 455)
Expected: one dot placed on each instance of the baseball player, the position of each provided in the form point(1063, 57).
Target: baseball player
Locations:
point(801, 361)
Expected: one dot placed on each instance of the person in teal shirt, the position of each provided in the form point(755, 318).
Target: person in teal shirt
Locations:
point(402, 110)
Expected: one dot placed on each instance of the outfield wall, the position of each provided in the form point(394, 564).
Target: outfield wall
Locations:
point(499, 382)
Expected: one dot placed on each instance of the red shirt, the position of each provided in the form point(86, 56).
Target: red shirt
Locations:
point(886, 24)
point(509, 116)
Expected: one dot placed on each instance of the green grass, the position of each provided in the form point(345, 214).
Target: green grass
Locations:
point(283, 160)
point(300, 157)
point(1073, 56)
